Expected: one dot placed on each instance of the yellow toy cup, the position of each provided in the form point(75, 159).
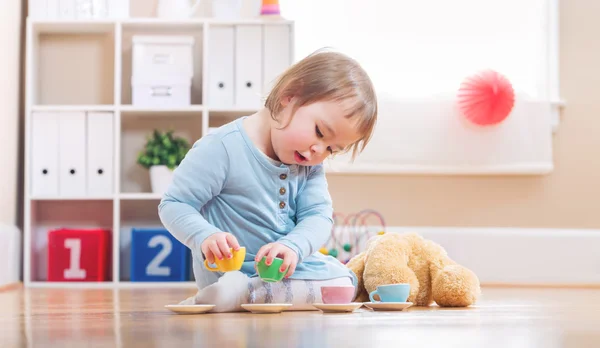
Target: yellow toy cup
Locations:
point(227, 265)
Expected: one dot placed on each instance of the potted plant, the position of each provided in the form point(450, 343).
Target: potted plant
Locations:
point(161, 155)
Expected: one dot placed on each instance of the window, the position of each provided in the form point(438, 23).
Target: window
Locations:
point(420, 52)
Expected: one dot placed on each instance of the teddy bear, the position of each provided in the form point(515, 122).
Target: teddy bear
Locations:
point(392, 258)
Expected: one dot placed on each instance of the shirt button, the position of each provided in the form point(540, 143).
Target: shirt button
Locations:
point(282, 205)
point(282, 191)
point(283, 176)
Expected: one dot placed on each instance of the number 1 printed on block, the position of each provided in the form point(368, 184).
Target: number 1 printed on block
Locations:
point(74, 271)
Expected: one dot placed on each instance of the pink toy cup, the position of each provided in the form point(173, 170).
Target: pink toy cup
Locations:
point(337, 294)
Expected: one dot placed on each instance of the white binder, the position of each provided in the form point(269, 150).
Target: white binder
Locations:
point(276, 53)
point(100, 139)
point(220, 66)
point(72, 154)
point(44, 154)
point(248, 68)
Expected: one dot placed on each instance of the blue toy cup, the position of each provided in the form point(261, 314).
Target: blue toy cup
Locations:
point(391, 293)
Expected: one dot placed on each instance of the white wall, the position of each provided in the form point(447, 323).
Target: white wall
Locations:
point(10, 60)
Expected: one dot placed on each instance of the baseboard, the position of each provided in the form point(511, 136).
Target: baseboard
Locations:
point(521, 256)
point(11, 286)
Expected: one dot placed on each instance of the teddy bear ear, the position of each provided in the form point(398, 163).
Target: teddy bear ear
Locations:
point(371, 243)
point(373, 239)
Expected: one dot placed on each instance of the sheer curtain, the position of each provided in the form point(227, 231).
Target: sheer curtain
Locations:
point(420, 51)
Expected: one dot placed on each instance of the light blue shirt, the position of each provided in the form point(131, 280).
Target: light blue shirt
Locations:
point(225, 183)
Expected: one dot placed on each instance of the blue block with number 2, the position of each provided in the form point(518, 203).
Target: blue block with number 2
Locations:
point(157, 256)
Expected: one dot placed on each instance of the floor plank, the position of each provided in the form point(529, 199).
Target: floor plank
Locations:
point(505, 317)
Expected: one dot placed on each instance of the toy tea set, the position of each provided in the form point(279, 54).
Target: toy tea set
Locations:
point(335, 298)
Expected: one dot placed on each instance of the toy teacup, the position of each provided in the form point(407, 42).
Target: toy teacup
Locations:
point(227, 265)
point(271, 273)
point(391, 293)
point(337, 294)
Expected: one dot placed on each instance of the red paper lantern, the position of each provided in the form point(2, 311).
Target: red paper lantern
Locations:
point(486, 98)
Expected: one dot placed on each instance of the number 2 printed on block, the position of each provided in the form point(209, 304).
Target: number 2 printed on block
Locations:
point(154, 268)
point(157, 256)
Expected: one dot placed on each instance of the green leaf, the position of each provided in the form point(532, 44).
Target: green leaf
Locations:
point(163, 148)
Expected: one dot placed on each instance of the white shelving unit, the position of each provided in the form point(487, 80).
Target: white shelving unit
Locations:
point(82, 67)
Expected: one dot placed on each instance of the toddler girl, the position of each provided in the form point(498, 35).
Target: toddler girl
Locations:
point(258, 182)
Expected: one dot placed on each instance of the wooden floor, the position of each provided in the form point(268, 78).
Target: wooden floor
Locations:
point(121, 318)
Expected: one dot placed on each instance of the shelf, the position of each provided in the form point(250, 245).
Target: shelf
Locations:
point(270, 20)
point(140, 196)
point(132, 110)
point(48, 215)
point(138, 214)
point(112, 285)
point(232, 110)
point(135, 110)
point(143, 285)
point(74, 68)
point(85, 65)
point(131, 29)
point(134, 133)
point(144, 23)
point(72, 26)
point(199, 21)
point(218, 117)
point(108, 108)
point(72, 285)
point(104, 25)
point(72, 198)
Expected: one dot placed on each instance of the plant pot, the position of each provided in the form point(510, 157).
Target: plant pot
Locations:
point(160, 178)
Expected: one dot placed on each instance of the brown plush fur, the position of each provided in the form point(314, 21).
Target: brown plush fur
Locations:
point(394, 258)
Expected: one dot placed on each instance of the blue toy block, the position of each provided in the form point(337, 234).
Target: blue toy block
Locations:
point(157, 256)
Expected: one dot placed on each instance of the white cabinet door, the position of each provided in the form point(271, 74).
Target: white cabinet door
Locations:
point(220, 66)
point(44, 154)
point(248, 66)
point(276, 53)
point(100, 139)
point(72, 151)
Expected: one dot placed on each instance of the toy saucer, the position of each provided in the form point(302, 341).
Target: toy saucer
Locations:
point(388, 306)
point(338, 307)
point(190, 309)
point(262, 308)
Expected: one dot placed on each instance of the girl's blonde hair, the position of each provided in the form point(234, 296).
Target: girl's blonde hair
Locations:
point(329, 76)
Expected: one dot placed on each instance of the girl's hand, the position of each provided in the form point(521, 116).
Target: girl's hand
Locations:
point(218, 245)
point(272, 250)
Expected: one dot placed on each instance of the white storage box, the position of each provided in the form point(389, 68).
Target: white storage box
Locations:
point(163, 56)
point(161, 92)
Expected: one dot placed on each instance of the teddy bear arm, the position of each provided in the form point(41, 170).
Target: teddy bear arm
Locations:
point(390, 273)
point(357, 266)
point(455, 286)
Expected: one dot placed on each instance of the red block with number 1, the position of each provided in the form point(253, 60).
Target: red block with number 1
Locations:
point(78, 255)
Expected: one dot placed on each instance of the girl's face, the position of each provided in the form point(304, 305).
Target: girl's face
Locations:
point(315, 132)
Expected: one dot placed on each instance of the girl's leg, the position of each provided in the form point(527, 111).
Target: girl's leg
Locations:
point(300, 293)
point(202, 276)
point(235, 288)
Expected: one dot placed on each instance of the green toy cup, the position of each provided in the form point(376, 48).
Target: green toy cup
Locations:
point(270, 273)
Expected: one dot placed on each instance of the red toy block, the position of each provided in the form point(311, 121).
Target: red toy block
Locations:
point(78, 255)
